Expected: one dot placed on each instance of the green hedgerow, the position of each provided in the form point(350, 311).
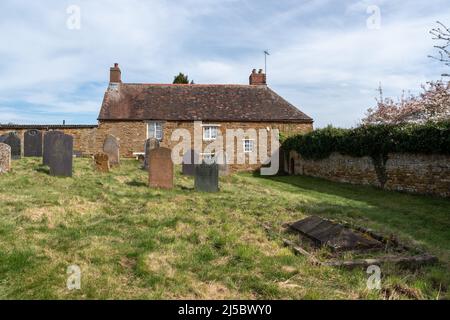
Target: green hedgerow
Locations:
point(373, 140)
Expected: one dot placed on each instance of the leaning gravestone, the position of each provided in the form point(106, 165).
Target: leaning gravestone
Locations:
point(101, 162)
point(112, 148)
point(5, 158)
point(150, 144)
point(207, 177)
point(12, 140)
point(61, 156)
point(190, 158)
point(160, 168)
point(32, 143)
point(49, 138)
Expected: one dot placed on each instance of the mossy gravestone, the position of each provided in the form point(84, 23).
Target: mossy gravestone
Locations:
point(61, 156)
point(111, 147)
point(160, 168)
point(12, 140)
point(5, 158)
point(32, 143)
point(207, 177)
point(48, 143)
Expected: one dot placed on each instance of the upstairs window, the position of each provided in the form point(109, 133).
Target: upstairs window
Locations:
point(210, 133)
point(154, 130)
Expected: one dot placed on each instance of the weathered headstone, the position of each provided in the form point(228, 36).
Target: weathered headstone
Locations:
point(111, 147)
point(32, 143)
point(160, 168)
point(150, 144)
point(207, 177)
point(48, 143)
point(12, 140)
point(61, 156)
point(5, 158)
point(190, 158)
point(101, 162)
point(334, 235)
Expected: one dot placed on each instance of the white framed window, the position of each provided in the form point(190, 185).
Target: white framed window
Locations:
point(210, 132)
point(154, 130)
point(249, 145)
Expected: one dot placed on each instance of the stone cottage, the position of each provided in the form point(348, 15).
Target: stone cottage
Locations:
point(134, 112)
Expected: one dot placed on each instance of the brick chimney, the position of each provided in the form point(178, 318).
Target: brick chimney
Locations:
point(115, 74)
point(257, 79)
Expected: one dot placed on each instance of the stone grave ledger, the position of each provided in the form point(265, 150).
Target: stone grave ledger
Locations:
point(101, 162)
point(32, 143)
point(207, 177)
point(190, 158)
point(12, 140)
point(160, 169)
point(334, 235)
point(150, 144)
point(61, 156)
point(111, 147)
point(5, 158)
point(48, 142)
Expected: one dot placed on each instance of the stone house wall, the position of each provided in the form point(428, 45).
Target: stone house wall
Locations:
point(132, 134)
point(415, 173)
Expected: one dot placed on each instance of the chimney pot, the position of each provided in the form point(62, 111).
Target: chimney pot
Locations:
point(257, 78)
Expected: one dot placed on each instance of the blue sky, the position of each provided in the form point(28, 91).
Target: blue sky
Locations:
point(324, 58)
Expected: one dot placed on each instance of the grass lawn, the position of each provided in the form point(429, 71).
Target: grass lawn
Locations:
point(133, 242)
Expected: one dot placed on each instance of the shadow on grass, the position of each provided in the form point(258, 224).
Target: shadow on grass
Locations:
point(424, 218)
point(43, 169)
point(136, 183)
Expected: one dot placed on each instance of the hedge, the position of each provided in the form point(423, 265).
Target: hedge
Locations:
point(375, 141)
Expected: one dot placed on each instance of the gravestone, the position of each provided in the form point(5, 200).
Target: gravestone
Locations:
point(160, 168)
point(61, 155)
point(190, 158)
point(32, 143)
point(111, 147)
point(334, 235)
point(49, 138)
point(12, 140)
point(101, 162)
point(5, 158)
point(150, 144)
point(207, 177)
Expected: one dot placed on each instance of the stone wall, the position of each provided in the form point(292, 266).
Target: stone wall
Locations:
point(415, 173)
point(83, 136)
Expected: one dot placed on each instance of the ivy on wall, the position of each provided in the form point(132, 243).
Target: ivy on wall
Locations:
point(375, 141)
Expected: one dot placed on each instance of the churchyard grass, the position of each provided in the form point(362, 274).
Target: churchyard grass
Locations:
point(133, 242)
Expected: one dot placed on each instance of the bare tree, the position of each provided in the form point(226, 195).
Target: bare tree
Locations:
point(441, 33)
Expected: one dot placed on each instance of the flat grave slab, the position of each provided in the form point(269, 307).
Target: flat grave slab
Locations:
point(334, 235)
